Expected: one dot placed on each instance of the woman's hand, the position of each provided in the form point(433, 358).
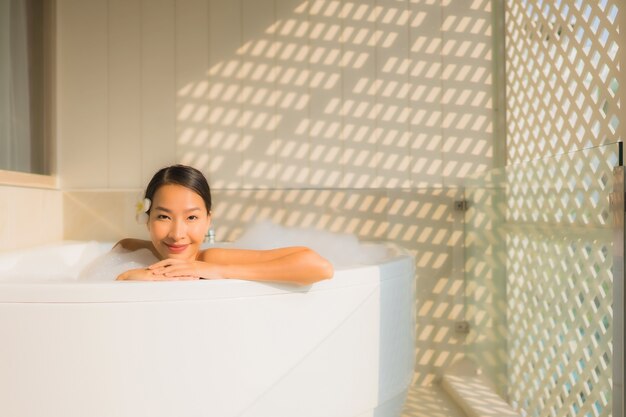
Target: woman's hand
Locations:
point(145, 274)
point(182, 269)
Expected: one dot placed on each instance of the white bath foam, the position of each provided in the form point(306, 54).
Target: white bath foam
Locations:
point(342, 250)
point(49, 262)
point(109, 265)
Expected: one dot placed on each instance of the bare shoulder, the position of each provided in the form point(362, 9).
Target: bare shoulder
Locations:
point(133, 244)
point(213, 254)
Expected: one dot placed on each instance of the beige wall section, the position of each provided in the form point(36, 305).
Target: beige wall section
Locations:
point(466, 100)
point(274, 93)
point(192, 61)
point(358, 104)
point(82, 93)
point(124, 90)
point(29, 217)
point(293, 144)
point(116, 91)
point(424, 62)
point(158, 86)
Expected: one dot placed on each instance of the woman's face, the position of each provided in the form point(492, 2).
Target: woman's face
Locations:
point(178, 222)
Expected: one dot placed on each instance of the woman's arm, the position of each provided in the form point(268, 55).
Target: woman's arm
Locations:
point(141, 274)
point(297, 265)
point(145, 274)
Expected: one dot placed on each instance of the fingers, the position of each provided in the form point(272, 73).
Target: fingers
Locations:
point(181, 271)
point(170, 267)
point(165, 263)
point(175, 268)
point(153, 275)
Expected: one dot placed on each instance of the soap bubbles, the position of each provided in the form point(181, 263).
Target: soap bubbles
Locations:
point(49, 262)
point(341, 250)
point(96, 261)
point(109, 265)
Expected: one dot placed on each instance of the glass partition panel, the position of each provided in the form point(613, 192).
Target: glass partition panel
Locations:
point(539, 281)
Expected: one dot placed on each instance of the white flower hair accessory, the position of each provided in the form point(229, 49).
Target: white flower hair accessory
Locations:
point(142, 211)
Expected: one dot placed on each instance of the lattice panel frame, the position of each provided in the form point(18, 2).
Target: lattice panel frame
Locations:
point(562, 72)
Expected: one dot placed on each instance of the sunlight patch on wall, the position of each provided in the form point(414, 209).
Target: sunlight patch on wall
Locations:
point(379, 93)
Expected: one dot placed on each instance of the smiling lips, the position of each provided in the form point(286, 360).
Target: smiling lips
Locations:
point(176, 248)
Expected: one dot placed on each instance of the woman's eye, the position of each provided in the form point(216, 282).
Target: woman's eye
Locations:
point(192, 218)
point(162, 217)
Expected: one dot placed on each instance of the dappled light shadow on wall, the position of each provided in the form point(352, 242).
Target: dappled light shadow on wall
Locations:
point(338, 94)
point(430, 402)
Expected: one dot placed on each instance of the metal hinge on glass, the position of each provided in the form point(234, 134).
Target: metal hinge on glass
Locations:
point(460, 205)
point(462, 327)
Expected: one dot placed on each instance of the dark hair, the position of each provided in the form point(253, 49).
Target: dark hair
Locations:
point(183, 175)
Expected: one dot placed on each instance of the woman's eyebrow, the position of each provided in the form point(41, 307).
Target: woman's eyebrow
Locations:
point(160, 208)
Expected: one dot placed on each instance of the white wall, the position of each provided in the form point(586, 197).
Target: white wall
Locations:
point(274, 93)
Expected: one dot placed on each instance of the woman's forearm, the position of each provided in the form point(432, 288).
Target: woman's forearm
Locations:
point(296, 265)
point(293, 265)
point(303, 267)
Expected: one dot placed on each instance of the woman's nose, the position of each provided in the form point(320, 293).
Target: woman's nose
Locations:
point(177, 230)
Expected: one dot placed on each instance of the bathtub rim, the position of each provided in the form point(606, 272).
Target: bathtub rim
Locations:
point(71, 290)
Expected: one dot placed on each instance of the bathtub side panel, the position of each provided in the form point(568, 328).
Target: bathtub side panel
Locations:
point(194, 358)
point(366, 363)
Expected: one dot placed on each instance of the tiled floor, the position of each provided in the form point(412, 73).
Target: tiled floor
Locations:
point(430, 401)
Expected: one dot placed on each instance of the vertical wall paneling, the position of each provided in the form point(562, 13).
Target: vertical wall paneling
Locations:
point(358, 100)
point(292, 88)
point(326, 93)
point(192, 83)
point(258, 97)
point(82, 93)
point(124, 91)
point(467, 89)
point(392, 94)
point(275, 93)
point(225, 142)
point(425, 94)
point(158, 118)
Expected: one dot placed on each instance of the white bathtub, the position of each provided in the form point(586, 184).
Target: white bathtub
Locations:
point(339, 348)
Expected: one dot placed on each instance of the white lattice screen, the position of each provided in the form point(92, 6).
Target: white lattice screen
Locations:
point(559, 283)
point(540, 283)
point(562, 76)
point(562, 88)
